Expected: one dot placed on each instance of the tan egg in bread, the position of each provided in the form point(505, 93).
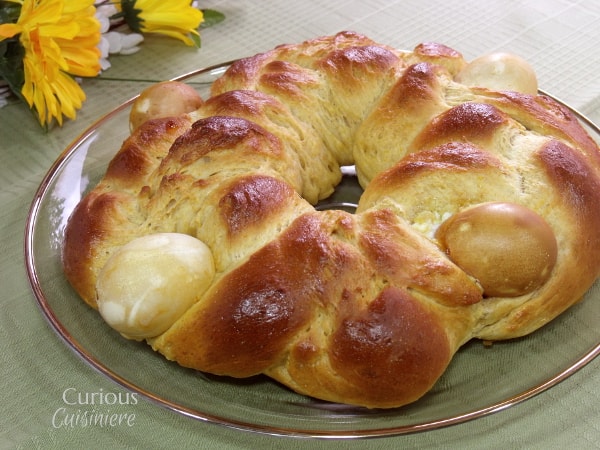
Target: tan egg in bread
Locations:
point(165, 99)
point(461, 182)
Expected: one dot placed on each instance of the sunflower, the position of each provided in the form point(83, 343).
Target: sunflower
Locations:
point(174, 18)
point(58, 40)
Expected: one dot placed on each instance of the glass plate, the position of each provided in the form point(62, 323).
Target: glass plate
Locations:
point(480, 380)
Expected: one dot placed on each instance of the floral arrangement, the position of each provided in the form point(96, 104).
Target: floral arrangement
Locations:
point(46, 46)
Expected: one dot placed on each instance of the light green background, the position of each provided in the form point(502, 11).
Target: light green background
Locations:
point(558, 37)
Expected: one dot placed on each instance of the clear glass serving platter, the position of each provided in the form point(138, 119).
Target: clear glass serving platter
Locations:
point(480, 380)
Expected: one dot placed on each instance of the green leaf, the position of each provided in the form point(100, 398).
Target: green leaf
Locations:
point(131, 15)
point(196, 39)
point(211, 17)
point(11, 65)
point(12, 70)
point(9, 12)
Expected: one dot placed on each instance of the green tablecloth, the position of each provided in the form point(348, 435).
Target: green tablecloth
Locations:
point(559, 37)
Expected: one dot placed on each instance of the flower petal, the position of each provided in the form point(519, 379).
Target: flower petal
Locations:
point(60, 39)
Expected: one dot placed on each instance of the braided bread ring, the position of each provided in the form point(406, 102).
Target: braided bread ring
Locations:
point(364, 308)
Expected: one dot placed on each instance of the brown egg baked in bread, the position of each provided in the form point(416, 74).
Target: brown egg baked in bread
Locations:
point(479, 219)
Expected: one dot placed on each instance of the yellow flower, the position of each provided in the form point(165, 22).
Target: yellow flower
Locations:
point(59, 38)
point(174, 18)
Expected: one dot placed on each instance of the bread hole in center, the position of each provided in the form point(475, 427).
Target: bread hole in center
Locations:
point(346, 194)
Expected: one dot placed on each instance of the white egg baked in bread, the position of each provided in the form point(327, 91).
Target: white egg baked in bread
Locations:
point(149, 283)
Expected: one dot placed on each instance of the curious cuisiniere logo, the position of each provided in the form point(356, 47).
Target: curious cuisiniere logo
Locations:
point(94, 409)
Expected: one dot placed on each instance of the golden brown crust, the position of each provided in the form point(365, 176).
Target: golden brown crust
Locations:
point(439, 54)
point(364, 308)
point(475, 123)
point(313, 317)
point(109, 215)
point(393, 334)
point(407, 259)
